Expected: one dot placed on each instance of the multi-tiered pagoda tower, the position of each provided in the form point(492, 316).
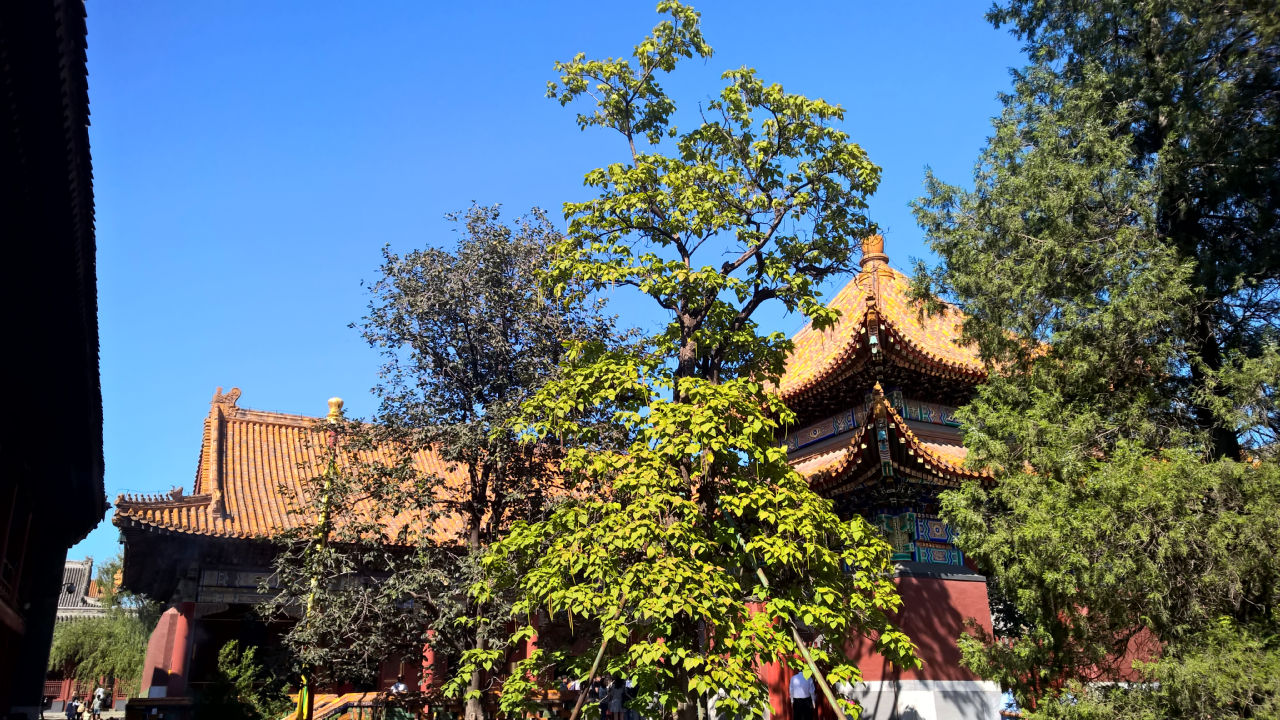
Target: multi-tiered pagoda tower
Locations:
point(875, 399)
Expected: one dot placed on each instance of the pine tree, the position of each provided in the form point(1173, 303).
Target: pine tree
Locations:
point(1119, 261)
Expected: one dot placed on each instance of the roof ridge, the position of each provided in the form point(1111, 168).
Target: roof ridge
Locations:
point(883, 290)
point(272, 417)
point(124, 501)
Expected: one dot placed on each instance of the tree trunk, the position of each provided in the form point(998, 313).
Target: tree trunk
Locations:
point(474, 709)
point(1224, 443)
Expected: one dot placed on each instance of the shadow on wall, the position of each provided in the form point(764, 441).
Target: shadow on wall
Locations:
point(933, 615)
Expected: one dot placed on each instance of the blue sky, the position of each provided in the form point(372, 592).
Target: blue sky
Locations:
point(251, 159)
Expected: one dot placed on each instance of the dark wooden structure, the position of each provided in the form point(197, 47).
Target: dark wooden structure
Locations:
point(51, 491)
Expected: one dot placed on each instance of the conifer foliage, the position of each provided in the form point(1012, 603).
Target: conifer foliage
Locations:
point(690, 551)
point(1119, 261)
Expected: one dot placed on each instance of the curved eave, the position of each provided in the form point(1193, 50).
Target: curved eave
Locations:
point(933, 460)
point(899, 349)
point(822, 467)
point(907, 352)
point(848, 465)
point(174, 517)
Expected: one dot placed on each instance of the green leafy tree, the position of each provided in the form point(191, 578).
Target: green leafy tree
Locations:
point(241, 689)
point(691, 551)
point(468, 334)
point(1119, 262)
point(111, 646)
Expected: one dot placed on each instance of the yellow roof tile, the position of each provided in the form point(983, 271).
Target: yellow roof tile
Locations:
point(253, 464)
point(929, 340)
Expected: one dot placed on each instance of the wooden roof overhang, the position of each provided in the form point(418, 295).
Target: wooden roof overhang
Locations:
point(902, 366)
point(853, 463)
point(52, 430)
point(896, 358)
point(157, 560)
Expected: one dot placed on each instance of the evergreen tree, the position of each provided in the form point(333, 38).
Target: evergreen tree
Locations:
point(692, 552)
point(240, 689)
point(1119, 261)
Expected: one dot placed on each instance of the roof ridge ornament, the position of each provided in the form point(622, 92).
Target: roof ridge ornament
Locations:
point(229, 398)
point(873, 250)
point(223, 405)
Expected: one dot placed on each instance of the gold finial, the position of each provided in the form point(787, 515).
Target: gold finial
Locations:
point(335, 409)
point(873, 250)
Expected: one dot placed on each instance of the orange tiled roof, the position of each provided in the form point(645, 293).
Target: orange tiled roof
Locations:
point(832, 463)
point(247, 456)
point(928, 341)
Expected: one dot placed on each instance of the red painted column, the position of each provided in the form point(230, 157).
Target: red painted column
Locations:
point(180, 652)
point(164, 672)
point(433, 672)
point(155, 668)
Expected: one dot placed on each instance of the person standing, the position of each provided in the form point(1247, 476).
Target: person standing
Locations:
point(801, 697)
point(72, 710)
point(617, 698)
point(398, 687)
point(628, 696)
point(600, 695)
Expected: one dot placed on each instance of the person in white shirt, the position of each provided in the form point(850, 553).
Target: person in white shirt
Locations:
point(801, 697)
point(399, 688)
point(99, 703)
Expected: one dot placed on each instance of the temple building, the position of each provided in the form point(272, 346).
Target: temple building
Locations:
point(81, 597)
point(875, 398)
point(206, 553)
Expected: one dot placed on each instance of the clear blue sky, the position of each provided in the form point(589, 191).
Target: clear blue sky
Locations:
point(251, 158)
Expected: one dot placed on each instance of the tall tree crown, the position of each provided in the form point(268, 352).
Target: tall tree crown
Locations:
point(694, 550)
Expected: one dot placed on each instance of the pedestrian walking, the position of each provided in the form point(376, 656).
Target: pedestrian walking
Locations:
point(72, 710)
point(99, 703)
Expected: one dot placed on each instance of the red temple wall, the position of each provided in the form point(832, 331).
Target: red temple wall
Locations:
point(933, 614)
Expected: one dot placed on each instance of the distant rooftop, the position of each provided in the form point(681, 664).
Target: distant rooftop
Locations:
point(79, 596)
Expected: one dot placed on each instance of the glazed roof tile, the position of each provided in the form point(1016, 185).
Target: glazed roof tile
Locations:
point(832, 462)
point(929, 340)
point(252, 464)
point(829, 462)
